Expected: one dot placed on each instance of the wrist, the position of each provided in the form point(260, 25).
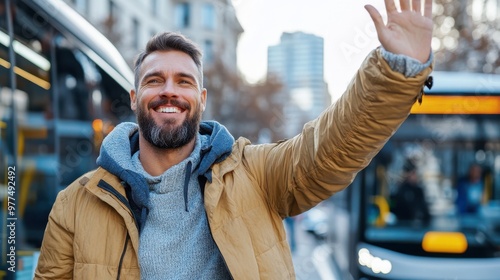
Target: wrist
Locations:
point(404, 64)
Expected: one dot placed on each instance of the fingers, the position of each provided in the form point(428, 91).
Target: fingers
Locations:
point(416, 5)
point(408, 5)
point(405, 4)
point(376, 17)
point(390, 6)
point(428, 9)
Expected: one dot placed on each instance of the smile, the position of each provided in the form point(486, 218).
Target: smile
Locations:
point(168, 110)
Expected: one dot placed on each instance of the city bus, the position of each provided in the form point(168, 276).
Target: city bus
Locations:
point(63, 87)
point(384, 228)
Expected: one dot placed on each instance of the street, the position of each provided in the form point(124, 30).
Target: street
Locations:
point(312, 257)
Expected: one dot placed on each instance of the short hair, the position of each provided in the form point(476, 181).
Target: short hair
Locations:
point(409, 166)
point(167, 41)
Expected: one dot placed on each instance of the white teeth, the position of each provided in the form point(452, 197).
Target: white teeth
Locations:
point(168, 110)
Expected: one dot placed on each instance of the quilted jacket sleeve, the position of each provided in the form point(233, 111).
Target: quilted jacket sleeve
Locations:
point(299, 173)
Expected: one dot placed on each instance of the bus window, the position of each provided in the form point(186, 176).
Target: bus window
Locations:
point(409, 208)
point(70, 90)
point(33, 134)
point(434, 202)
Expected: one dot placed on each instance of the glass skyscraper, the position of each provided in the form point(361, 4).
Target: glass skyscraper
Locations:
point(298, 62)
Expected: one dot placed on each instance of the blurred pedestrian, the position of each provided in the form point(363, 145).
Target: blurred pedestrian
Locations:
point(175, 197)
point(470, 190)
point(409, 204)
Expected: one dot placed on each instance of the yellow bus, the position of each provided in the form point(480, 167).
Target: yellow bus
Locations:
point(410, 214)
point(63, 86)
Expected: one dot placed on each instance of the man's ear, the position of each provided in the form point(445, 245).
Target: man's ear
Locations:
point(203, 97)
point(133, 97)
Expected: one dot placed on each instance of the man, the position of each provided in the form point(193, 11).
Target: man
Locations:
point(410, 205)
point(470, 191)
point(176, 198)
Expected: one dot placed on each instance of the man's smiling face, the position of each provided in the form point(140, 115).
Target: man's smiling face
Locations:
point(169, 101)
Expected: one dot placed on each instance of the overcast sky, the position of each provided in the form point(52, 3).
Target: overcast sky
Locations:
point(345, 25)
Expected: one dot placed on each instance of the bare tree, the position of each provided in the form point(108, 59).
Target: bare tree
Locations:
point(250, 110)
point(467, 36)
point(109, 28)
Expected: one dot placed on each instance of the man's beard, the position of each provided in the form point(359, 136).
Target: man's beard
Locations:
point(166, 136)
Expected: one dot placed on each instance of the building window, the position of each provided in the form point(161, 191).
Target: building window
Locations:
point(208, 51)
point(182, 15)
point(81, 6)
point(208, 16)
point(136, 33)
point(154, 7)
point(113, 10)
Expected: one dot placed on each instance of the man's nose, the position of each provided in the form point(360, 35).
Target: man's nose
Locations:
point(168, 89)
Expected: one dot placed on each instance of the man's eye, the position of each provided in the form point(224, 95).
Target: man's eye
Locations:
point(184, 82)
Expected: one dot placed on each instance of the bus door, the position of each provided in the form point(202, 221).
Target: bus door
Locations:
point(418, 218)
point(58, 100)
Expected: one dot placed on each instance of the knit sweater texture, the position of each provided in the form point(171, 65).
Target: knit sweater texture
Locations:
point(175, 243)
point(175, 240)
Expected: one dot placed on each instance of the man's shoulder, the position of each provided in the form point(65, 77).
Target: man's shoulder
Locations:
point(239, 148)
point(78, 184)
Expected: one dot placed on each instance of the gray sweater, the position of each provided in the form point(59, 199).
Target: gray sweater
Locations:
point(175, 243)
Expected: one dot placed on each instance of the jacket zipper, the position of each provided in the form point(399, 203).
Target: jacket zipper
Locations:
point(108, 188)
point(429, 82)
point(122, 256)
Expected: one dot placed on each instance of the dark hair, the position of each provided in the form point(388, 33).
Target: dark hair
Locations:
point(167, 41)
point(409, 166)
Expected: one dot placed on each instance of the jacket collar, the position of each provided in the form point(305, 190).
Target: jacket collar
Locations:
point(115, 157)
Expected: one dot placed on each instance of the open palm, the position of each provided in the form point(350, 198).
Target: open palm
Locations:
point(407, 32)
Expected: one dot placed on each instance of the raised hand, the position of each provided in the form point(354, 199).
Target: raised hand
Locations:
point(407, 32)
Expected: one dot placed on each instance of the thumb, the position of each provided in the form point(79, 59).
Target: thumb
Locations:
point(376, 17)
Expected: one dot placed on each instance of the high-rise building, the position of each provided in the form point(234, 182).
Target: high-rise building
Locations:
point(298, 62)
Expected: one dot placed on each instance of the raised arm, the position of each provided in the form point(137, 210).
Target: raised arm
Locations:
point(331, 150)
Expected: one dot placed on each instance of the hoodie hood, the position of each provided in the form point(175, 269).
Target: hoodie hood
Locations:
point(116, 157)
point(216, 146)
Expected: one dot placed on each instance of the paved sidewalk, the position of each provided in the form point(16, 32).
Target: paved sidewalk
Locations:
point(312, 259)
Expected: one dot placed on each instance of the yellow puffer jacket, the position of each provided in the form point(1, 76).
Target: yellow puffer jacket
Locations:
point(92, 234)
